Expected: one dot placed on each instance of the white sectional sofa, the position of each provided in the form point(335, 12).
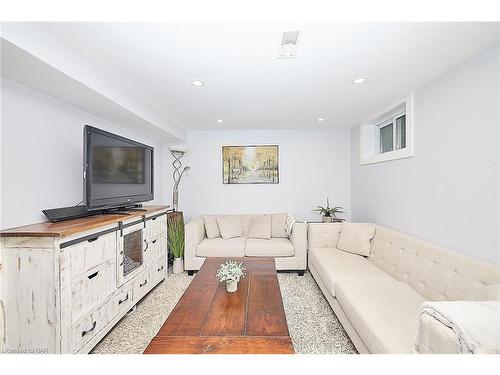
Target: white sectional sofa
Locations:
point(377, 284)
point(246, 236)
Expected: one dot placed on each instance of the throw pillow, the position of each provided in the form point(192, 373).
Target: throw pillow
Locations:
point(278, 222)
point(260, 227)
point(356, 238)
point(229, 226)
point(211, 227)
point(290, 220)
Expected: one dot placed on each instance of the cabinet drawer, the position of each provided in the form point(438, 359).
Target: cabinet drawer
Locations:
point(92, 288)
point(158, 271)
point(124, 299)
point(149, 278)
point(156, 226)
point(156, 248)
point(83, 331)
point(92, 253)
point(142, 284)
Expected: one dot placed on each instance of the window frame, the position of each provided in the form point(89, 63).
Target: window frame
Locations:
point(391, 121)
point(370, 147)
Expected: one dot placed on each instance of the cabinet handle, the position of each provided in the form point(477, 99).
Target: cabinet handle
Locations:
point(147, 245)
point(90, 330)
point(93, 239)
point(153, 219)
point(154, 241)
point(123, 300)
point(144, 283)
point(93, 275)
point(121, 252)
point(121, 264)
point(161, 268)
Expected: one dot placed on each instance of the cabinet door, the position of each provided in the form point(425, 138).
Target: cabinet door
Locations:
point(157, 248)
point(131, 257)
point(156, 226)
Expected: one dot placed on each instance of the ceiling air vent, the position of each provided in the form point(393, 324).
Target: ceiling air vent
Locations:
point(288, 47)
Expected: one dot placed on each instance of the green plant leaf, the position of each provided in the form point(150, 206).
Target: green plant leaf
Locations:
point(175, 235)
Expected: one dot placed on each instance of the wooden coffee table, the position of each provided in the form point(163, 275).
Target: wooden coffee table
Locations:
point(208, 319)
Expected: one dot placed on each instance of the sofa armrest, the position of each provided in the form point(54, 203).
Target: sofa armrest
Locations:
point(434, 337)
point(298, 238)
point(459, 327)
point(194, 233)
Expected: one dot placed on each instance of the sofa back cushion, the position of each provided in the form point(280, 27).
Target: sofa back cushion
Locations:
point(278, 225)
point(244, 221)
point(323, 235)
point(436, 273)
point(230, 226)
point(277, 230)
point(356, 238)
point(487, 293)
point(260, 227)
point(211, 227)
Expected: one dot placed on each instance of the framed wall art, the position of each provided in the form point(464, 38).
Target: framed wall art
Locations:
point(250, 164)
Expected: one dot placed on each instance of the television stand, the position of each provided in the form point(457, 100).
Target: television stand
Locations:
point(64, 285)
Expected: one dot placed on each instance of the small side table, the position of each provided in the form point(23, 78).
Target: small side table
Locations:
point(321, 222)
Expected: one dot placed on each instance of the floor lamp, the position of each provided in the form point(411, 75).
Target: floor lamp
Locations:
point(177, 152)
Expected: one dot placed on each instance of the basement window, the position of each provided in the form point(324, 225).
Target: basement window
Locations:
point(392, 133)
point(389, 135)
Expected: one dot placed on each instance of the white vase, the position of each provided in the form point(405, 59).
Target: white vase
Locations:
point(232, 286)
point(178, 266)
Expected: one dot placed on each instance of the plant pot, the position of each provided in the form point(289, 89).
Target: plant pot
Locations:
point(232, 286)
point(178, 266)
point(327, 219)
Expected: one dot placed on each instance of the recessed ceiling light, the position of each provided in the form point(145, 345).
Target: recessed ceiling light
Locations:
point(320, 119)
point(197, 83)
point(220, 121)
point(359, 80)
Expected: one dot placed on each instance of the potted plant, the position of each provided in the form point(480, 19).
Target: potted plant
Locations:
point(329, 214)
point(231, 272)
point(175, 240)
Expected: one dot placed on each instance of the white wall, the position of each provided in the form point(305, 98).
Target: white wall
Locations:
point(448, 193)
point(313, 164)
point(42, 151)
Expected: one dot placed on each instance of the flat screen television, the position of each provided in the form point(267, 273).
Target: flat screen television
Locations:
point(117, 171)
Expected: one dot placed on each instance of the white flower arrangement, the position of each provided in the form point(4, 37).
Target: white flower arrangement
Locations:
point(230, 271)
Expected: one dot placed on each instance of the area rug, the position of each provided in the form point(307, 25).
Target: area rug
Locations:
point(313, 326)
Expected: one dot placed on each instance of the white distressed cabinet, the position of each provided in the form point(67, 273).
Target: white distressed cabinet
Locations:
point(63, 286)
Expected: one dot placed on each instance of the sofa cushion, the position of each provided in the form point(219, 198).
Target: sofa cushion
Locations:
point(334, 265)
point(229, 226)
point(356, 238)
point(219, 247)
point(274, 247)
point(323, 234)
point(260, 227)
point(383, 312)
point(211, 227)
point(278, 225)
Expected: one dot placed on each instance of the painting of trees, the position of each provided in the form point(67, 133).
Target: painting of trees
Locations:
point(250, 164)
point(233, 162)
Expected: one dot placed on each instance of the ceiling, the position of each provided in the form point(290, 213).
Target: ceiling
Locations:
point(248, 87)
